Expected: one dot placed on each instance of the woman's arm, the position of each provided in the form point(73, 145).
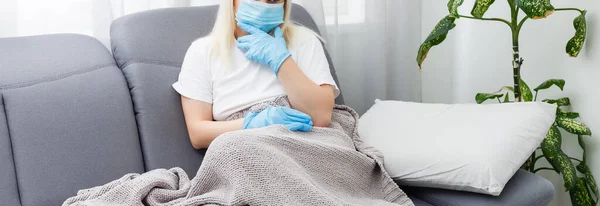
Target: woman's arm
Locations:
point(306, 96)
point(315, 100)
point(201, 127)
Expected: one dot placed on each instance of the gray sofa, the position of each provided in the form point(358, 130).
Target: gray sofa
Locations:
point(74, 115)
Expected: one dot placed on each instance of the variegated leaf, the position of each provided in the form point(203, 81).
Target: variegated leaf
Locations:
point(526, 92)
point(575, 45)
point(453, 7)
point(481, 6)
point(572, 115)
point(560, 83)
point(589, 177)
point(560, 102)
point(536, 9)
point(580, 195)
point(437, 36)
point(573, 126)
point(482, 97)
point(567, 169)
point(551, 147)
point(506, 100)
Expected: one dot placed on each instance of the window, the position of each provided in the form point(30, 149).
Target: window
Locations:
point(344, 11)
point(42, 16)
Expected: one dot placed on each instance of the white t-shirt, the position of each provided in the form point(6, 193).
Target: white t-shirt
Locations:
point(231, 90)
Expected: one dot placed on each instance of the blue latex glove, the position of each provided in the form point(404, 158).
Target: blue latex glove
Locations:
point(291, 118)
point(264, 48)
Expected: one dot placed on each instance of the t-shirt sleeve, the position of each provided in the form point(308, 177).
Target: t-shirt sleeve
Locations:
point(312, 61)
point(195, 81)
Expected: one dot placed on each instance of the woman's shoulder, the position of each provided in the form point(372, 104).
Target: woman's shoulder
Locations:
point(198, 54)
point(304, 36)
point(200, 45)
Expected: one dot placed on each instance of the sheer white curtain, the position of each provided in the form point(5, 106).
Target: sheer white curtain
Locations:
point(373, 46)
point(89, 17)
point(372, 43)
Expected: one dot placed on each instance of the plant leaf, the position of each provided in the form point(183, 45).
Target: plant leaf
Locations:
point(575, 45)
point(453, 7)
point(589, 177)
point(551, 147)
point(536, 9)
point(437, 36)
point(507, 88)
point(560, 102)
point(560, 83)
point(506, 100)
point(571, 115)
point(481, 6)
point(573, 126)
point(526, 92)
point(482, 97)
point(580, 195)
point(568, 171)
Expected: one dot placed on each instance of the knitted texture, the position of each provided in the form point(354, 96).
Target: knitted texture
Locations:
point(266, 166)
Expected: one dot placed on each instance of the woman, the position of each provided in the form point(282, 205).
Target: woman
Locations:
point(237, 68)
point(254, 54)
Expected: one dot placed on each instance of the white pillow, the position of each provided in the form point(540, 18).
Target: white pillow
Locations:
point(467, 147)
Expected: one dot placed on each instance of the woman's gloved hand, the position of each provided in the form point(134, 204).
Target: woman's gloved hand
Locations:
point(262, 47)
point(291, 118)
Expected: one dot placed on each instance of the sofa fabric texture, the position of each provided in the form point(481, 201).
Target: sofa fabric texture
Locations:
point(70, 125)
point(524, 189)
point(8, 179)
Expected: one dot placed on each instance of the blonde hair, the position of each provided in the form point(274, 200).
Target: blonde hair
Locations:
point(223, 38)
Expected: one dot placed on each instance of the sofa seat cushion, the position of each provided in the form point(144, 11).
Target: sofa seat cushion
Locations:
point(418, 202)
point(524, 189)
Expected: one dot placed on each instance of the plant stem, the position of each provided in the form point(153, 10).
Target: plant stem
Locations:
point(520, 25)
point(532, 163)
point(569, 9)
point(535, 99)
point(575, 159)
point(517, 61)
point(580, 138)
point(543, 168)
point(486, 19)
point(511, 3)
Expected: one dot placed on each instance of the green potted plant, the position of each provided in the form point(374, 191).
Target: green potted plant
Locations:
point(576, 175)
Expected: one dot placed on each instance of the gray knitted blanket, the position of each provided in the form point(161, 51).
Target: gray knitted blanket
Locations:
point(267, 166)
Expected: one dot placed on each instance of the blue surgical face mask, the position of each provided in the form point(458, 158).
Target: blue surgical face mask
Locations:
point(261, 15)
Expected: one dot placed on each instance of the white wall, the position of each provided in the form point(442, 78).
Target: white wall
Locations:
point(476, 57)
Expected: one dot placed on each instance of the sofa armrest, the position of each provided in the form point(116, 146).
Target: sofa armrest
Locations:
point(524, 188)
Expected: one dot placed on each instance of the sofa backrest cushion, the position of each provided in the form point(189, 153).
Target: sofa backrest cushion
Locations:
point(149, 47)
point(69, 117)
point(9, 193)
